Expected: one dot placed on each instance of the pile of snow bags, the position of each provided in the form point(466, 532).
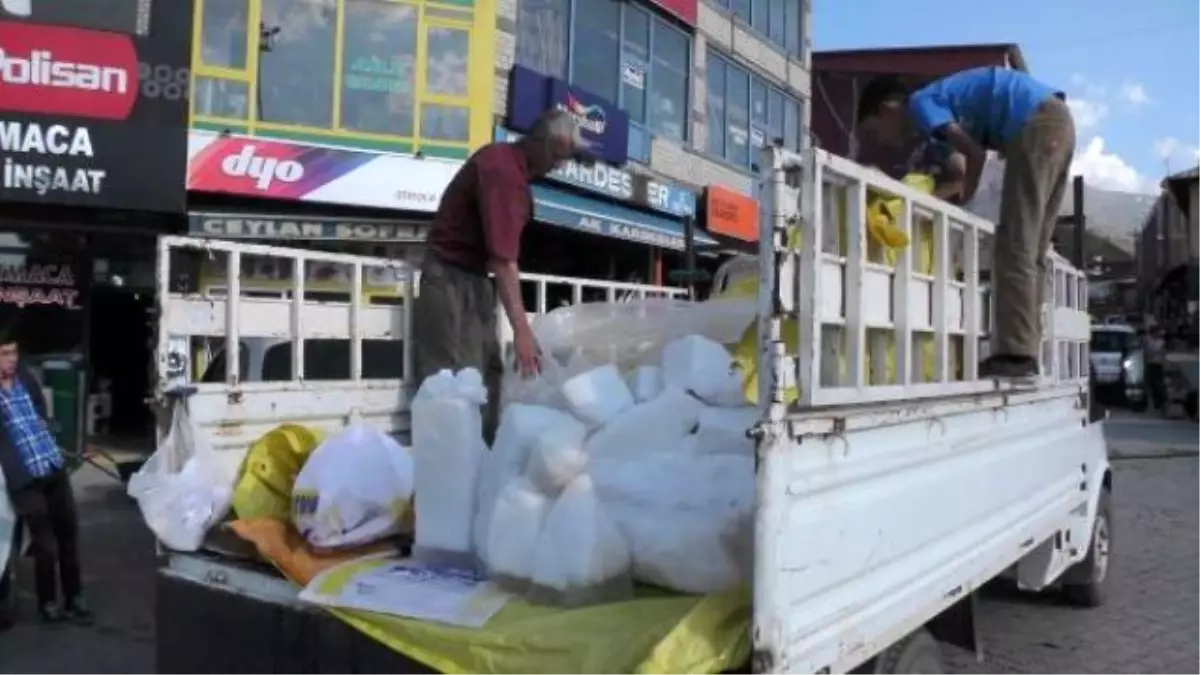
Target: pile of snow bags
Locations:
point(621, 474)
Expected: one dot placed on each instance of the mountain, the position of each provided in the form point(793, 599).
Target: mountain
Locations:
point(1112, 215)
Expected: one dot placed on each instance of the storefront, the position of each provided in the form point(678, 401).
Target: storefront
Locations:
point(94, 168)
point(598, 219)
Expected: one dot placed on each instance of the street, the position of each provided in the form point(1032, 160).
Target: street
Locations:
point(1148, 625)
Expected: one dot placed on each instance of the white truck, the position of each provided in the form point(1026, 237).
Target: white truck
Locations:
point(892, 483)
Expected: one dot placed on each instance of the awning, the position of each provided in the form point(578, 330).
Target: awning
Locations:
point(566, 209)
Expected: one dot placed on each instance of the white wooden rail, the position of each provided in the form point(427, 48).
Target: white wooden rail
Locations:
point(878, 330)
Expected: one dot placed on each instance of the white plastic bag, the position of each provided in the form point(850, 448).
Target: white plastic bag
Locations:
point(180, 505)
point(557, 456)
point(354, 489)
point(581, 557)
point(646, 427)
point(448, 450)
point(724, 430)
point(517, 519)
point(646, 383)
point(597, 395)
point(8, 526)
point(701, 367)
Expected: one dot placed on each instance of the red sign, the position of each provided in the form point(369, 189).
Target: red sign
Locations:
point(684, 9)
point(56, 70)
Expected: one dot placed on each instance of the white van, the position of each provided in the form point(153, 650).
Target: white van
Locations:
point(1118, 365)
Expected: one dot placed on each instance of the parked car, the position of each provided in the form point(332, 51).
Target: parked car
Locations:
point(1119, 366)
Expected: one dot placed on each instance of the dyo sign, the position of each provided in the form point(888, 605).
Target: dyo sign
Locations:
point(264, 170)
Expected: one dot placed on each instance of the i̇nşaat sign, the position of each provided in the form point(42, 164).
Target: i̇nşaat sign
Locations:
point(33, 285)
point(600, 121)
point(95, 118)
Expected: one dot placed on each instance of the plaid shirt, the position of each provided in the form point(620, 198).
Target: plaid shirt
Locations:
point(28, 432)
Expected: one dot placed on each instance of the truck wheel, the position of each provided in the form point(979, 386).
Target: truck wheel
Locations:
point(1086, 584)
point(917, 653)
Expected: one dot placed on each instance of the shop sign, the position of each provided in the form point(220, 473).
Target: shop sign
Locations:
point(621, 184)
point(685, 10)
point(294, 228)
point(730, 213)
point(596, 224)
point(601, 122)
point(94, 118)
point(32, 285)
point(258, 167)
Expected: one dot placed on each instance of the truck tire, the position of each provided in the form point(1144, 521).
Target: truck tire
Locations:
point(916, 653)
point(1086, 584)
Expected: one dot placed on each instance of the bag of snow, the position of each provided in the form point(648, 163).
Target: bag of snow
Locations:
point(597, 395)
point(520, 426)
point(557, 456)
point(646, 382)
point(448, 450)
point(724, 430)
point(683, 515)
point(698, 365)
point(652, 426)
point(582, 557)
point(353, 489)
point(517, 522)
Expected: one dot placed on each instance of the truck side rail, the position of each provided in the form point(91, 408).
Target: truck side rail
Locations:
point(873, 329)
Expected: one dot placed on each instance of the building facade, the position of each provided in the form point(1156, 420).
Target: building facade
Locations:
point(93, 133)
point(1166, 252)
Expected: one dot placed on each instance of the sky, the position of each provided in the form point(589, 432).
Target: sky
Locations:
point(1130, 68)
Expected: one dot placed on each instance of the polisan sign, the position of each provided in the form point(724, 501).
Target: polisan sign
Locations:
point(50, 70)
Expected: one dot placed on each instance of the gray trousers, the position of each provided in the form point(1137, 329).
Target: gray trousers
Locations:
point(454, 326)
point(1038, 160)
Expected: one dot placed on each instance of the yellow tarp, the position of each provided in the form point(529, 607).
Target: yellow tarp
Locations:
point(654, 633)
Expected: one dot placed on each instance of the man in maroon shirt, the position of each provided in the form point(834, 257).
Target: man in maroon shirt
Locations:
point(477, 231)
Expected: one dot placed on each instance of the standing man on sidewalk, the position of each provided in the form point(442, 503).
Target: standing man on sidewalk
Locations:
point(40, 488)
point(1028, 122)
point(477, 232)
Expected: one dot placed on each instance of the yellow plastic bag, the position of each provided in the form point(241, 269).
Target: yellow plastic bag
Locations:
point(264, 487)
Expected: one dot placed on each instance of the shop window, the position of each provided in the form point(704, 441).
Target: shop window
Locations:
point(384, 74)
point(745, 113)
point(775, 20)
point(619, 50)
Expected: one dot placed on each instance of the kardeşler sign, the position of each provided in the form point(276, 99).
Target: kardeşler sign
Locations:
point(600, 121)
point(228, 226)
point(259, 167)
point(95, 118)
point(620, 184)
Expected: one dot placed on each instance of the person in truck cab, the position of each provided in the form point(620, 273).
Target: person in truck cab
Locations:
point(477, 232)
point(39, 487)
point(1030, 124)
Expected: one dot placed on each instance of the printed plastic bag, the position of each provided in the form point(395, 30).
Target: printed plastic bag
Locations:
point(353, 490)
point(581, 556)
point(179, 505)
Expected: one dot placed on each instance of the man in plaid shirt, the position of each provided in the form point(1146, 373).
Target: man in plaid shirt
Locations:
point(40, 489)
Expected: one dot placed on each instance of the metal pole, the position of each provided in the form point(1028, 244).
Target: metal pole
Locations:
point(1080, 224)
point(689, 254)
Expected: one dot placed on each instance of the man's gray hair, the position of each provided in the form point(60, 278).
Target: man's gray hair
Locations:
point(555, 124)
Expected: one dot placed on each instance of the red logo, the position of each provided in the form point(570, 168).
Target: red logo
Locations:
point(55, 70)
point(684, 9)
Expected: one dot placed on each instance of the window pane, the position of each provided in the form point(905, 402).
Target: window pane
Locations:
point(542, 36)
point(741, 8)
point(296, 60)
point(758, 112)
point(737, 123)
point(444, 123)
point(758, 15)
point(223, 33)
point(378, 67)
point(221, 98)
point(791, 125)
point(595, 56)
point(635, 63)
point(669, 99)
point(775, 30)
point(775, 102)
point(791, 26)
point(715, 84)
point(447, 52)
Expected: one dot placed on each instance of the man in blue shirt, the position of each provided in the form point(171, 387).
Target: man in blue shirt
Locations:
point(1030, 124)
point(40, 490)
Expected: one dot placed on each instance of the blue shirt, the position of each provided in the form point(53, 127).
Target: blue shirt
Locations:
point(28, 432)
point(990, 104)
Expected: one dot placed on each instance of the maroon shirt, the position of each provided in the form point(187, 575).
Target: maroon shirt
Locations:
point(483, 210)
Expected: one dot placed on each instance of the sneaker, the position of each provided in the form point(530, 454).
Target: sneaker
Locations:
point(51, 613)
point(1009, 367)
point(76, 611)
